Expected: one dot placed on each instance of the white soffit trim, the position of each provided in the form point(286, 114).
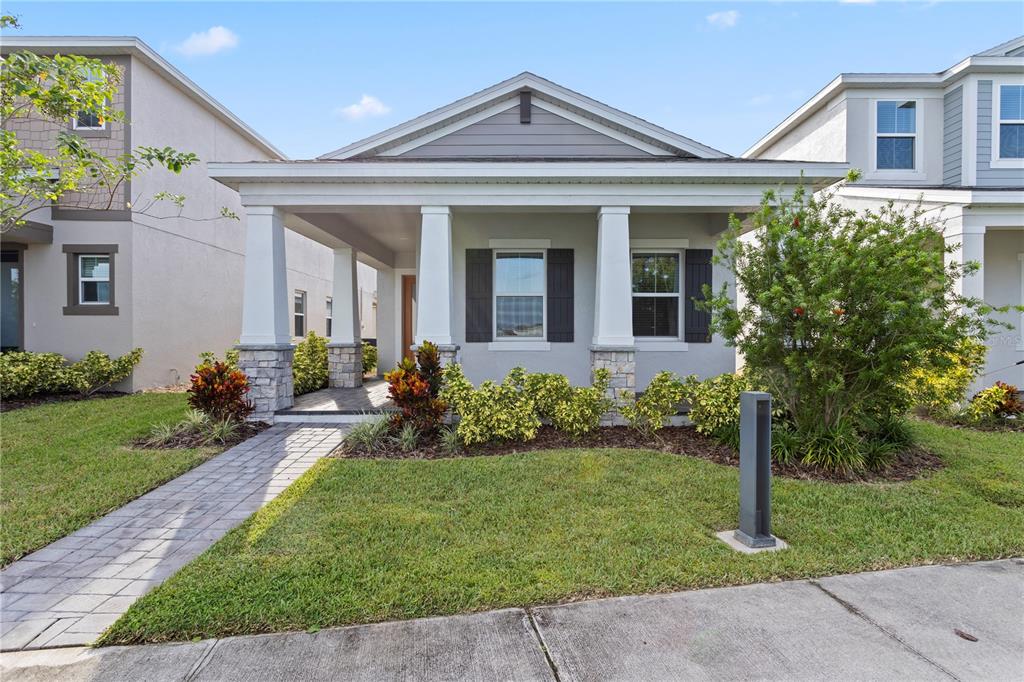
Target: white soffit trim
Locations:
point(524, 81)
point(104, 46)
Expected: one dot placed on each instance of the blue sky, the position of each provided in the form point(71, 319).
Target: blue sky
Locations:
point(312, 77)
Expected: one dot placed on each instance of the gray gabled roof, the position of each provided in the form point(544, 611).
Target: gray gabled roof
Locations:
point(581, 104)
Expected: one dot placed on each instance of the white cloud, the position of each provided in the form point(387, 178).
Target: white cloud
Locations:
point(366, 107)
point(725, 19)
point(211, 41)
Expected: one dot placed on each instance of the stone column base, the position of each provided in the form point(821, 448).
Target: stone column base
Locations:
point(345, 365)
point(620, 361)
point(447, 353)
point(269, 368)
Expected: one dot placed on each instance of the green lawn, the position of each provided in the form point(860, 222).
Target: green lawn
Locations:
point(66, 464)
point(357, 541)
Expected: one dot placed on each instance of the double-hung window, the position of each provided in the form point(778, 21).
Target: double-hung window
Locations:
point(895, 134)
point(519, 290)
point(656, 293)
point(300, 313)
point(330, 315)
point(1011, 121)
point(93, 279)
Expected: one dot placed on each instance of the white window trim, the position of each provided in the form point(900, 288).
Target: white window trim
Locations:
point(660, 342)
point(917, 172)
point(501, 342)
point(82, 280)
point(305, 319)
point(329, 317)
point(1020, 326)
point(995, 160)
point(75, 126)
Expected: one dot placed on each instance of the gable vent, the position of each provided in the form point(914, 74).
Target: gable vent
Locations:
point(525, 106)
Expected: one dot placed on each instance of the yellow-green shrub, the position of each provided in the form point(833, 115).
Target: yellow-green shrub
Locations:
point(309, 367)
point(97, 370)
point(943, 381)
point(715, 404)
point(580, 411)
point(24, 374)
point(492, 411)
point(656, 404)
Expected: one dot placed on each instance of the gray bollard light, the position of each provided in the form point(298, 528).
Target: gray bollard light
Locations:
point(755, 531)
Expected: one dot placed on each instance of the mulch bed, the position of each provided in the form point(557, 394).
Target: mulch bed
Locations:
point(195, 440)
point(679, 440)
point(46, 399)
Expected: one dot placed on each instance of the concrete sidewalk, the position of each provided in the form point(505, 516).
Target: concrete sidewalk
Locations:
point(900, 624)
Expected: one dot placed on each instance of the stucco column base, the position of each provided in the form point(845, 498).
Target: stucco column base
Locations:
point(620, 361)
point(269, 368)
point(345, 365)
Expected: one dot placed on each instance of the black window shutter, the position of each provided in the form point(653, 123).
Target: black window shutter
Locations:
point(698, 273)
point(560, 295)
point(479, 288)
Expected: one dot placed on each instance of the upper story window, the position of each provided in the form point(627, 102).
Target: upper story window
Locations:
point(519, 292)
point(656, 294)
point(895, 135)
point(1011, 121)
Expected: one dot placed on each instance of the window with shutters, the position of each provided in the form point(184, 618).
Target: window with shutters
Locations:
point(519, 294)
point(657, 302)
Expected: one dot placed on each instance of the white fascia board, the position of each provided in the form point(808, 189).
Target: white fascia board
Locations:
point(128, 45)
point(509, 87)
point(234, 173)
point(847, 81)
point(966, 197)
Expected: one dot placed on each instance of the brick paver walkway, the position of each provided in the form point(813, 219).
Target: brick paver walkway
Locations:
point(69, 592)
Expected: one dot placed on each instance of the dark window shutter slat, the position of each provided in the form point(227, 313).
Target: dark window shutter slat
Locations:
point(560, 295)
point(698, 273)
point(479, 287)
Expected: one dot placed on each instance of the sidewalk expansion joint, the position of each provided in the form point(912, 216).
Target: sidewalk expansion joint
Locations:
point(201, 663)
point(888, 633)
point(542, 645)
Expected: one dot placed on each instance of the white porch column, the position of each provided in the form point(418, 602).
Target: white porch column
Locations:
point(970, 235)
point(265, 346)
point(434, 280)
point(613, 346)
point(344, 349)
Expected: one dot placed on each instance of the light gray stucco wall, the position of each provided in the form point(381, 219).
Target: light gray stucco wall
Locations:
point(860, 141)
point(988, 176)
point(952, 136)
point(1003, 287)
point(578, 231)
point(822, 137)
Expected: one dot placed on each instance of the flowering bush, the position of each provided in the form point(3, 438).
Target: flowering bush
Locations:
point(309, 366)
point(415, 387)
point(97, 370)
point(24, 374)
point(219, 391)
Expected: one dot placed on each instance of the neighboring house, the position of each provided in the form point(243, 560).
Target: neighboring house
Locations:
point(523, 225)
point(76, 280)
point(953, 140)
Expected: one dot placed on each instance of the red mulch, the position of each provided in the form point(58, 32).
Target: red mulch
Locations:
point(680, 440)
point(47, 398)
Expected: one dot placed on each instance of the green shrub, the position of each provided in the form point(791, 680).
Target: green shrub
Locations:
point(230, 358)
point(580, 412)
point(942, 380)
point(658, 402)
point(369, 358)
point(309, 367)
point(367, 436)
point(24, 374)
point(97, 371)
point(492, 411)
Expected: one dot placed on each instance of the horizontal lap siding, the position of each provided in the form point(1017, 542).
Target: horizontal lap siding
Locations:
point(952, 137)
point(988, 176)
point(546, 135)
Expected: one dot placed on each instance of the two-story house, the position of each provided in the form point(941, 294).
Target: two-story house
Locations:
point(79, 278)
point(951, 140)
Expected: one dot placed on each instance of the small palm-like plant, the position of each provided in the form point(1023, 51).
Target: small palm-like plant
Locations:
point(367, 436)
point(407, 437)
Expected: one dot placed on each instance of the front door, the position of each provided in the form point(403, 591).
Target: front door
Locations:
point(11, 282)
point(408, 313)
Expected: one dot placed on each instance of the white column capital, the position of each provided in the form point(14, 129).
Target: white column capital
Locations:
point(264, 211)
point(436, 210)
point(613, 210)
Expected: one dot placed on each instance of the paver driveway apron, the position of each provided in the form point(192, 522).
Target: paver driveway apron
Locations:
point(69, 592)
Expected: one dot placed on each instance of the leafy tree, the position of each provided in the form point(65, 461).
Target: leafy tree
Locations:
point(56, 89)
point(842, 305)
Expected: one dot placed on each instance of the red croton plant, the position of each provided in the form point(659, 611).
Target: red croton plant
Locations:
point(220, 390)
point(414, 386)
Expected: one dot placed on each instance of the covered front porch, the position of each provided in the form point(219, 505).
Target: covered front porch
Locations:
point(535, 266)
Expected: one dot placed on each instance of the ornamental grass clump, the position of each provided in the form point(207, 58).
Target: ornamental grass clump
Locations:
point(842, 306)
